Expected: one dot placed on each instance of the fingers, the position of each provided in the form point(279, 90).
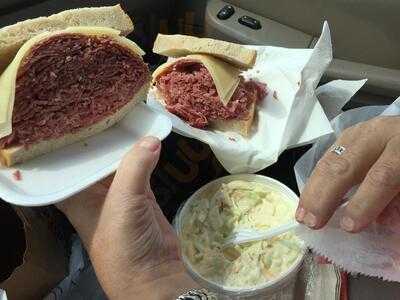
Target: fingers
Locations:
point(380, 186)
point(391, 213)
point(336, 174)
point(134, 172)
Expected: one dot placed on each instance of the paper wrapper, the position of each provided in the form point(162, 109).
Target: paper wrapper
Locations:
point(290, 114)
point(376, 250)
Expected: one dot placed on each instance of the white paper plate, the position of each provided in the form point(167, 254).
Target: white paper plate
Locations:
point(56, 176)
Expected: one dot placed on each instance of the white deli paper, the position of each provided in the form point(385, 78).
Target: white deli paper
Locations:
point(374, 251)
point(290, 115)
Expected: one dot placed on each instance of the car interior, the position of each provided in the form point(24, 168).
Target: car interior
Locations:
point(365, 37)
point(364, 33)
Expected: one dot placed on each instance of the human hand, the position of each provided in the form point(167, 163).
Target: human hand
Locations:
point(133, 248)
point(371, 159)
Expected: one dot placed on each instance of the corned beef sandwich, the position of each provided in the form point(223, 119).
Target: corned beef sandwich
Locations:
point(65, 85)
point(205, 87)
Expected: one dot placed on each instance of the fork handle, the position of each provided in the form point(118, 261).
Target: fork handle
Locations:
point(244, 236)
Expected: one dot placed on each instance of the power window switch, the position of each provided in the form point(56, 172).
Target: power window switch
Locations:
point(250, 22)
point(226, 12)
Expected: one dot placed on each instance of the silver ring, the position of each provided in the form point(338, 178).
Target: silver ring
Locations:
point(337, 149)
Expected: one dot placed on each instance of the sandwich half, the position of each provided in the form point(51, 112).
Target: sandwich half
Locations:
point(208, 90)
point(66, 85)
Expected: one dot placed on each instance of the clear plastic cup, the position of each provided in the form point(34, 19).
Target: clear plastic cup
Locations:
point(286, 280)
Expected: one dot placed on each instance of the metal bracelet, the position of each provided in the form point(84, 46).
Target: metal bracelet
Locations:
point(201, 294)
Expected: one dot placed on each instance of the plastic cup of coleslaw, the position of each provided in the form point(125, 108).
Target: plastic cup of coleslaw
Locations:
point(250, 271)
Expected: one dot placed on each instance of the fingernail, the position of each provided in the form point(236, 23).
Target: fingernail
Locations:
point(310, 220)
point(300, 213)
point(347, 224)
point(150, 143)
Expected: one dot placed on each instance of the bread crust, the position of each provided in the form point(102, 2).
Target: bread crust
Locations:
point(14, 36)
point(19, 154)
point(181, 45)
point(241, 126)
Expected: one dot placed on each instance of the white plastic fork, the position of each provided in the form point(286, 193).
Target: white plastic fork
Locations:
point(250, 235)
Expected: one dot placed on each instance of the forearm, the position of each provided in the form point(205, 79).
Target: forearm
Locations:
point(84, 213)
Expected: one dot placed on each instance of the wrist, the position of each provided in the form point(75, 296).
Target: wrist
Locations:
point(84, 212)
point(167, 281)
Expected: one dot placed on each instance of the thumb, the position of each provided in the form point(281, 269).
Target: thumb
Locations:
point(133, 175)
